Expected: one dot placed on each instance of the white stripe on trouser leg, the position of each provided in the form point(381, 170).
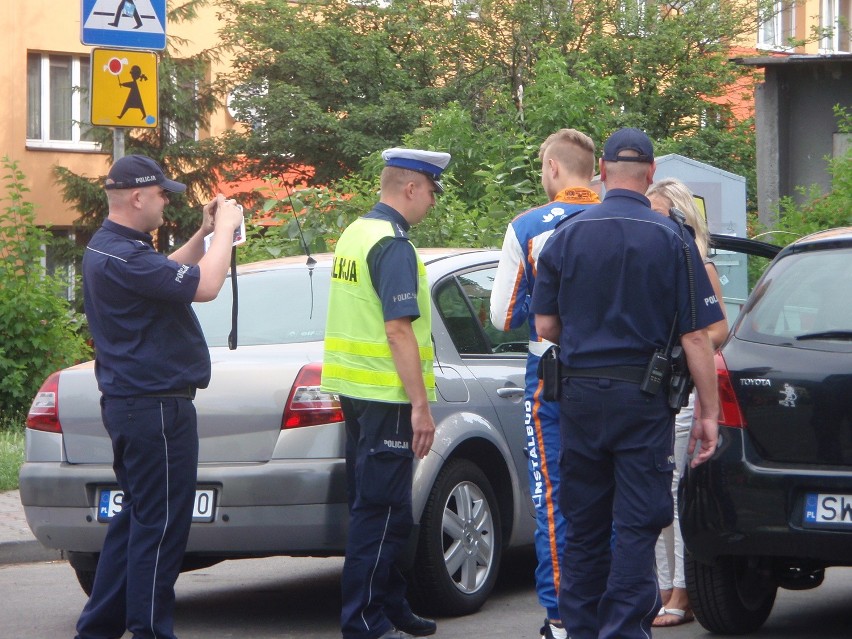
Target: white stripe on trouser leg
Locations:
point(376, 565)
point(165, 525)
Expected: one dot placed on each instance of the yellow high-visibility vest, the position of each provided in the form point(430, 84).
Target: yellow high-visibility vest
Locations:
point(357, 360)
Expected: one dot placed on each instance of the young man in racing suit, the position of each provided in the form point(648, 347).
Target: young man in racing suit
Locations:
point(568, 162)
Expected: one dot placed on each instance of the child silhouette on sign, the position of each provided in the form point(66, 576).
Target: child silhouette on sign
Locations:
point(126, 8)
point(134, 98)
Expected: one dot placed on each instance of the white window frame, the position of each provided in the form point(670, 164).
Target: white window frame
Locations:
point(171, 128)
point(634, 10)
point(837, 16)
point(70, 270)
point(44, 141)
point(381, 4)
point(467, 8)
point(782, 10)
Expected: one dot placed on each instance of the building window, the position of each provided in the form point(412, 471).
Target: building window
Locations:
point(778, 27)
point(467, 8)
point(381, 4)
point(632, 19)
point(59, 259)
point(58, 111)
point(835, 17)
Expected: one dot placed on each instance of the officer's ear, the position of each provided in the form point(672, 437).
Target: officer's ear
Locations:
point(652, 168)
point(410, 188)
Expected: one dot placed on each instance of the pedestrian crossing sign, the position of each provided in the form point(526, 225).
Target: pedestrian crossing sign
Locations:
point(126, 24)
point(124, 88)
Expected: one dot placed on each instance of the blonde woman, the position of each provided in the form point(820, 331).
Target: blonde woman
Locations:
point(664, 195)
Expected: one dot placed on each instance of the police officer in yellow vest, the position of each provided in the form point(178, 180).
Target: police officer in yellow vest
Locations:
point(378, 358)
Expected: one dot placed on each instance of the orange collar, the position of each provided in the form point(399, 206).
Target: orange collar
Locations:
point(577, 195)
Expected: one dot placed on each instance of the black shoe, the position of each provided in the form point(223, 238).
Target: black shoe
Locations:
point(417, 626)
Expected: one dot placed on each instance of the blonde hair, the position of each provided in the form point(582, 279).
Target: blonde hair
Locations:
point(572, 149)
point(396, 178)
point(681, 198)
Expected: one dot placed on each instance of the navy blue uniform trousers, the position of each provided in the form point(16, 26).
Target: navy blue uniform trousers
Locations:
point(155, 447)
point(379, 474)
point(616, 465)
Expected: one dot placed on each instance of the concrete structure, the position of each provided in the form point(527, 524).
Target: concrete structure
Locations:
point(797, 131)
point(724, 193)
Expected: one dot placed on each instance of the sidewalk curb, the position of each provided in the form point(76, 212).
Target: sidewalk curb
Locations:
point(23, 552)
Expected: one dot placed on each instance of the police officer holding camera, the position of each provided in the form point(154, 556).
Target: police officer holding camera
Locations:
point(150, 357)
point(613, 285)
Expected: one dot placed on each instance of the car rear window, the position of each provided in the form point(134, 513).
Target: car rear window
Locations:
point(804, 300)
point(282, 306)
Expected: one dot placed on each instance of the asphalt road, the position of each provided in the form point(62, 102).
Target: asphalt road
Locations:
point(286, 598)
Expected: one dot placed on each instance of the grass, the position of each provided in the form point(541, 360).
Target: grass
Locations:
point(11, 450)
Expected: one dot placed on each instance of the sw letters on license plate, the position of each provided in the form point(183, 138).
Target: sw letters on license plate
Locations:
point(828, 510)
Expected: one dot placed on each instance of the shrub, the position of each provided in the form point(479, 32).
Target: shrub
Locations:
point(41, 332)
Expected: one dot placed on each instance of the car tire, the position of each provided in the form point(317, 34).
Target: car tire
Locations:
point(733, 596)
point(86, 578)
point(460, 545)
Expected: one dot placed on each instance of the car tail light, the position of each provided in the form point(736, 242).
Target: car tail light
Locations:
point(307, 404)
point(44, 412)
point(729, 408)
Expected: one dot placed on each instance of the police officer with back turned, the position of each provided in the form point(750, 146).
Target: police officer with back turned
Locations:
point(378, 359)
point(613, 284)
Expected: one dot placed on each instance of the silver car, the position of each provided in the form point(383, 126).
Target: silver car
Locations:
point(271, 477)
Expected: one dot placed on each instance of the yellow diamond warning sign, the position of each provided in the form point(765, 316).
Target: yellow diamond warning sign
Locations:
point(124, 88)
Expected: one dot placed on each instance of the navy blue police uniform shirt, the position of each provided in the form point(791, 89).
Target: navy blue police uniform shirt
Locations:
point(616, 274)
point(393, 266)
point(137, 301)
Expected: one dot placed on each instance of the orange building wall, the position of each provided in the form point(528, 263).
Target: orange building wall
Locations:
point(53, 26)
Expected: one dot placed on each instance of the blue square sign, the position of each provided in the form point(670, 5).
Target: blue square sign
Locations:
point(124, 24)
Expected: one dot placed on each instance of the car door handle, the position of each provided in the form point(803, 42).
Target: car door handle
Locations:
point(510, 391)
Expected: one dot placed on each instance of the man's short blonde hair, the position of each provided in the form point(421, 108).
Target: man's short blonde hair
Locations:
point(572, 149)
point(394, 178)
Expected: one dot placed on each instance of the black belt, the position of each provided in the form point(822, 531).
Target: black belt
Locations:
point(633, 374)
point(187, 392)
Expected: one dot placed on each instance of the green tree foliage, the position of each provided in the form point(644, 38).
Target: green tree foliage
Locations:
point(186, 101)
point(41, 332)
point(328, 84)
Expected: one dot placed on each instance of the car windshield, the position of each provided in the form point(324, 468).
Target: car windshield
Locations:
point(281, 306)
point(805, 298)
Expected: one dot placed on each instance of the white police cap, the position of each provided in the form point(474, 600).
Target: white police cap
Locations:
point(429, 163)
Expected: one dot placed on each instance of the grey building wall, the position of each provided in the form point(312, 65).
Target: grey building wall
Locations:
point(795, 124)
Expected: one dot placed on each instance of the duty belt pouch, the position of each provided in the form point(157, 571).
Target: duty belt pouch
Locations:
point(680, 384)
point(549, 372)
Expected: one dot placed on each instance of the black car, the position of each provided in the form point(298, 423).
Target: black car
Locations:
point(773, 507)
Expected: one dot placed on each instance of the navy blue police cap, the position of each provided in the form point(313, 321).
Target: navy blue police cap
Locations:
point(628, 140)
point(136, 171)
point(429, 163)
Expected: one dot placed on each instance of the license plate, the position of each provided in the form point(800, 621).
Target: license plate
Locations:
point(109, 503)
point(828, 510)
